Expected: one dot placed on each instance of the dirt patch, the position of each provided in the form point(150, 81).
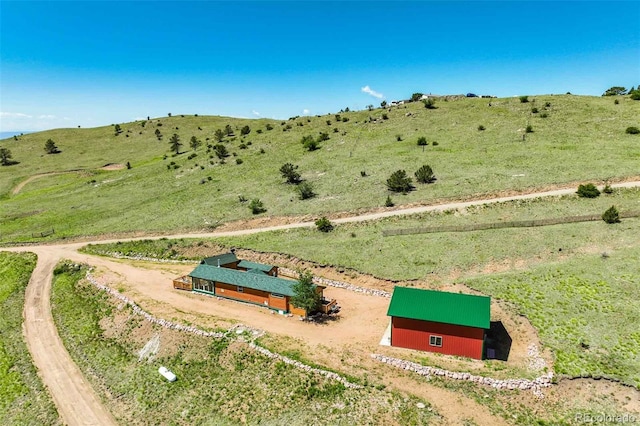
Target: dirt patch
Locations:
point(113, 166)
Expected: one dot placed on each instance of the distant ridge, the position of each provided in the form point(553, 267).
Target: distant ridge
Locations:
point(6, 135)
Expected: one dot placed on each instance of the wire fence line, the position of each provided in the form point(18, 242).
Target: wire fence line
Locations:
point(499, 225)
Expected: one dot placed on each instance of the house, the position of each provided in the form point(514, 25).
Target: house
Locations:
point(227, 276)
point(437, 321)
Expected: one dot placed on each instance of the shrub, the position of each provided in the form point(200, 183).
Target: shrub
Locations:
point(363, 173)
point(245, 130)
point(422, 141)
point(481, 127)
point(429, 103)
point(399, 182)
point(269, 126)
point(385, 117)
point(389, 202)
point(239, 161)
point(324, 136)
point(616, 102)
point(259, 131)
point(544, 115)
point(345, 119)
point(305, 191)
point(534, 110)
point(588, 190)
point(608, 189)
point(328, 122)
point(635, 95)
point(335, 130)
point(425, 174)
point(324, 225)
point(221, 151)
point(256, 206)
point(611, 215)
point(50, 147)
point(615, 91)
point(435, 143)
point(632, 130)
point(547, 104)
point(399, 138)
point(309, 143)
point(529, 128)
point(288, 171)
point(524, 99)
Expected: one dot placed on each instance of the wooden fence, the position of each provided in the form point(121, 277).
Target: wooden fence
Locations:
point(499, 225)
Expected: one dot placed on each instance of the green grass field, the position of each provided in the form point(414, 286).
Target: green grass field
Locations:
point(219, 381)
point(581, 139)
point(23, 398)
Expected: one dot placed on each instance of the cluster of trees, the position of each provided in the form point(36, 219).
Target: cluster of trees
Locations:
point(6, 157)
point(399, 181)
point(620, 90)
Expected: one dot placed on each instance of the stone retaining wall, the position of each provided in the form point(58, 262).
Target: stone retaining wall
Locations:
point(339, 284)
point(534, 385)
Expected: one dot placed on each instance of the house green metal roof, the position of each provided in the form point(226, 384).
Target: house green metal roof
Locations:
point(439, 306)
point(224, 259)
point(245, 279)
point(254, 265)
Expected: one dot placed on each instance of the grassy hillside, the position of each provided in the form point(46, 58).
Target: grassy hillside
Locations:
point(574, 139)
point(23, 398)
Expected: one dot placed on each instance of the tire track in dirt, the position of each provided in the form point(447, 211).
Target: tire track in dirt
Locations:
point(75, 399)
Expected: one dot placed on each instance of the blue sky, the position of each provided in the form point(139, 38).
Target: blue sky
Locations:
point(92, 63)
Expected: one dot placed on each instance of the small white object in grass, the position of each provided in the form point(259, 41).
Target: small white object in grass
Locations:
point(420, 405)
point(239, 331)
point(167, 374)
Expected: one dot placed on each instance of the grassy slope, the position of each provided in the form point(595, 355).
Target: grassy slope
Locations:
point(219, 382)
point(23, 399)
point(581, 139)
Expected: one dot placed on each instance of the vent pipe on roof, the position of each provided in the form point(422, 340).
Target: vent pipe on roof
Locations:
point(218, 263)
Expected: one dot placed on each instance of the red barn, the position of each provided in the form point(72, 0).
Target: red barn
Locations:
point(437, 321)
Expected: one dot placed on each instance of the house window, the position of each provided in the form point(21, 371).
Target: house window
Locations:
point(435, 341)
point(240, 289)
point(277, 296)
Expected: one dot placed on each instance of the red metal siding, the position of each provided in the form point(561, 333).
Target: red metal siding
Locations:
point(456, 339)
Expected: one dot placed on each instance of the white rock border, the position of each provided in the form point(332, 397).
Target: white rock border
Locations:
point(534, 385)
point(219, 335)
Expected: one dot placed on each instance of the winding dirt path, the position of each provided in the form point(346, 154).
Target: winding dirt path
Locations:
point(75, 399)
point(77, 402)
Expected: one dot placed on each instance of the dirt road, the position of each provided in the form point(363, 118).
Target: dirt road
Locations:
point(75, 399)
point(77, 402)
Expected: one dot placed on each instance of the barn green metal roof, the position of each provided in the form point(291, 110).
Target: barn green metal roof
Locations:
point(254, 265)
point(439, 306)
point(224, 259)
point(255, 281)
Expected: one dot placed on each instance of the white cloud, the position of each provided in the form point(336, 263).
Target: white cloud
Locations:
point(256, 113)
point(370, 91)
point(14, 115)
point(305, 111)
point(46, 117)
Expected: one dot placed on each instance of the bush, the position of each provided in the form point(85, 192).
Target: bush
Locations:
point(534, 110)
point(588, 190)
point(309, 143)
point(544, 115)
point(608, 189)
point(435, 143)
point(524, 99)
point(632, 130)
point(481, 127)
point(288, 171)
point(616, 102)
point(256, 206)
point(324, 225)
point(389, 202)
point(399, 182)
point(429, 103)
point(422, 141)
point(239, 161)
point(245, 130)
point(385, 117)
point(269, 126)
point(425, 174)
point(529, 129)
point(305, 191)
point(363, 173)
point(399, 138)
point(323, 137)
point(635, 95)
point(611, 215)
